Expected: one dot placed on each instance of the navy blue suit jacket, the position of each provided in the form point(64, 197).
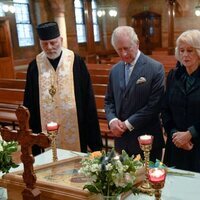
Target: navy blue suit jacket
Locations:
point(139, 101)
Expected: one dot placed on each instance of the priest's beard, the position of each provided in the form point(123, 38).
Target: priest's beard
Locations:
point(53, 55)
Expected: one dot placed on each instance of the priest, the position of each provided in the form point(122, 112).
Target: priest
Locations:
point(58, 89)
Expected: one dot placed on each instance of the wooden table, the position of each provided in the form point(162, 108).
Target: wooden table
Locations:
point(176, 187)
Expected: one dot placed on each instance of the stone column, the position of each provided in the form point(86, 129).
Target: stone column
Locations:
point(58, 9)
point(122, 12)
point(89, 26)
point(171, 12)
point(91, 51)
point(40, 11)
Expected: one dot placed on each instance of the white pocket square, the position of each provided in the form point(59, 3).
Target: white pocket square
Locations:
point(141, 80)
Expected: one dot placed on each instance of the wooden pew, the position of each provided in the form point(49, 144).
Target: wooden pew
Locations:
point(99, 66)
point(111, 60)
point(166, 60)
point(105, 131)
point(99, 74)
point(8, 117)
point(11, 96)
point(99, 71)
point(169, 61)
point(93, 68)
point(20, 74)
point(99, 99)
point(99, 79)
point(99, 89)
point(10, 99)
point(12, 83)
point(160, 52)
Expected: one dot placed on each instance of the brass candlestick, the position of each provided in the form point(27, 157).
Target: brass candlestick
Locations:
point(52, 136)
point(146, 148)
point(157, 180)
point(158, 191)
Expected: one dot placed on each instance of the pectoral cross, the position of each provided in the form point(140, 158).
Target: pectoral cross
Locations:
point(52, 91)
point(26, 139)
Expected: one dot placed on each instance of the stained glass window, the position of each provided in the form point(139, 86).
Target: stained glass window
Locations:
point(23, 23)
point(80, 22)
point(2, 14)
point(95, 21)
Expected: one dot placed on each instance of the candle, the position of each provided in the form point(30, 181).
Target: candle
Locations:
point(145, 139)
point(52, 126)
point(157, 175)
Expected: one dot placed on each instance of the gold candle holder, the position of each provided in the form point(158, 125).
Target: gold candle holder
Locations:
point(145, 142)
point(157, 180)
point(52, 130)
point(52, 136)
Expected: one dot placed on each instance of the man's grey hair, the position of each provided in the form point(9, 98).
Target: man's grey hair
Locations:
point(124, 31)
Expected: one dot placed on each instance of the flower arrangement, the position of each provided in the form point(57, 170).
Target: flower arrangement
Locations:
point(110, 174)
point(6, 150)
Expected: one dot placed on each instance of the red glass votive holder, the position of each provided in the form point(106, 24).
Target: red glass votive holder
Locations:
point(52, 126)
point(157, 176)
point(145, 139)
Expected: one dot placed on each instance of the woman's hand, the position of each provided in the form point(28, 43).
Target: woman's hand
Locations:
point(187, 146)
point(182, 139)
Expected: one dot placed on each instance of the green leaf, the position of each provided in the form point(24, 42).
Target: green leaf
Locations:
point(5, 156)
point(91, 188)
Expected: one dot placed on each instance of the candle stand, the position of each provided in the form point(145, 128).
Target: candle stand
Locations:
point(52, 135)
point(146, 148)
point(157, 181)
point(158, 191)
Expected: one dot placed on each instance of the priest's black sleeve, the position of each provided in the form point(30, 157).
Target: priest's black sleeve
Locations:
point(86, 108)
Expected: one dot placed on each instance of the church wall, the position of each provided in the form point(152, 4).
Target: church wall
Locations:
point(184, 18)
point(41, 12)
point(71, 28)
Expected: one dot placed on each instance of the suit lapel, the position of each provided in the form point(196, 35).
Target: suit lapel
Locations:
point(194, 86)
point(135, 75)
point(181, 86)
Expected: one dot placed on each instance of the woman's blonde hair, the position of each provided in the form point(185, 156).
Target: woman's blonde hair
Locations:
point(190, 37)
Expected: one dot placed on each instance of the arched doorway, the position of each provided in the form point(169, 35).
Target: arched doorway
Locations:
point(147, 25)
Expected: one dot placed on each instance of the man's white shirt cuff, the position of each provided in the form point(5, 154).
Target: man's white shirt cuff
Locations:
point(112, 120)
point(128, 125)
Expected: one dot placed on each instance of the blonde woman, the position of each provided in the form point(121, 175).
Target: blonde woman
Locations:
point(181, 107)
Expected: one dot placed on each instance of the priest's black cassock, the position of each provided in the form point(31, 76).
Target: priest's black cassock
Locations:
point(89, 132)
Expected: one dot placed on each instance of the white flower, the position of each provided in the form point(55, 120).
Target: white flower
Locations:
point(129, 178)
point(109, 167)
point(109, 172)
point(94, 167)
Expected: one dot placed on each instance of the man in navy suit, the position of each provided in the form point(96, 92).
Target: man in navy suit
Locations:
point(133, 98)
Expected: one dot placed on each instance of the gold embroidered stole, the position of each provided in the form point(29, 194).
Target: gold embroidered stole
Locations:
point(60, 105)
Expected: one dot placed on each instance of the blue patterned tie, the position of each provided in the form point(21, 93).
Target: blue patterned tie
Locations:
point(127, 72)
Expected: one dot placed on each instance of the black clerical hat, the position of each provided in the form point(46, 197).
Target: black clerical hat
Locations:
point(48, 30)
